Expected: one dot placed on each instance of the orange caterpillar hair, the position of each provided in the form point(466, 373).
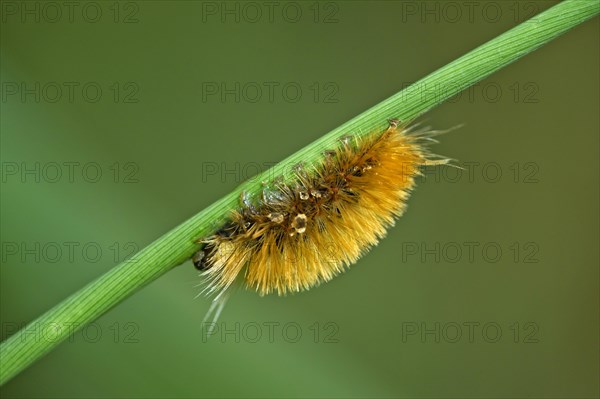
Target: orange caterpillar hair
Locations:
point(305, 232)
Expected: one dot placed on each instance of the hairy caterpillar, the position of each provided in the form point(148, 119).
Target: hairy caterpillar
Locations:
point(306, 231)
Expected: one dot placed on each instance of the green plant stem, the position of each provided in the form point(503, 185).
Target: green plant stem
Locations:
point(173, 248)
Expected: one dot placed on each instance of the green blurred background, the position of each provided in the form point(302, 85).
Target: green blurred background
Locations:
point(167, 144)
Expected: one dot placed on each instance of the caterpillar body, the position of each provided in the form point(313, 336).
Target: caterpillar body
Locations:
point(303, 232)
